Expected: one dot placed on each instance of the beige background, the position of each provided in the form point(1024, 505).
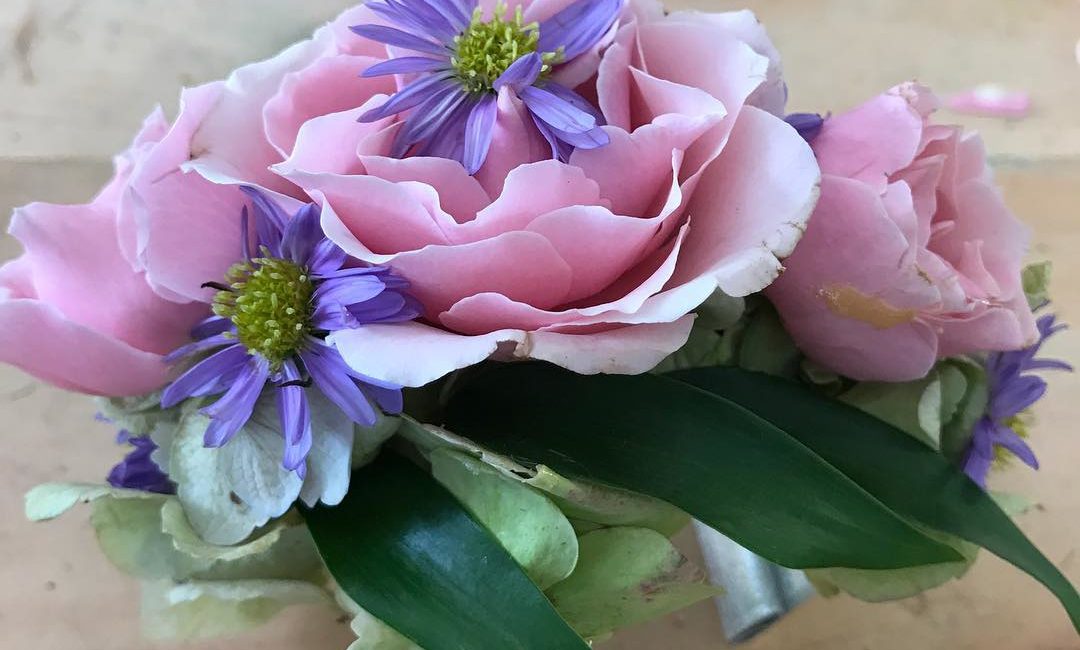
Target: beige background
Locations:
point(77, 76)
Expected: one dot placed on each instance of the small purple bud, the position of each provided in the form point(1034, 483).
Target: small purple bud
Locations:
point(807, 124)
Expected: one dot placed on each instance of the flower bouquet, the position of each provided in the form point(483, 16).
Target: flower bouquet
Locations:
point(451, 315)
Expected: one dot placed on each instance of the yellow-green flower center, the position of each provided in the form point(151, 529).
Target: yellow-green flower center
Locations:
point(487, 48)
point(1021, 425)
point(269, 301)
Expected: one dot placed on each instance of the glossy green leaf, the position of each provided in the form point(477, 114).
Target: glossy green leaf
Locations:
point(910, 478)
point(715, 460)
point(403, 548)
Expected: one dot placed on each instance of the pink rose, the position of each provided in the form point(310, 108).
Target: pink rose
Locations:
point(594, 264)
point(911, 255)
point(90, 306)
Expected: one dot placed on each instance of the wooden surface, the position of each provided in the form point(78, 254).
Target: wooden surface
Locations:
point(76, 77)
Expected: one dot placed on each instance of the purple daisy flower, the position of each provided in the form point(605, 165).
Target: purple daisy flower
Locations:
point(465, 59)
point(1012, 391)
point(138, 471)
point(271, 318)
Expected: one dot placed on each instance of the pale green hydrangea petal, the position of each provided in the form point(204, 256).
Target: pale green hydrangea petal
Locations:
point(1036, 280)
point(201, 610)
point(136, 415)
point(702, 349)
point(230, 491)
point(130, 534)
point(284, 550)
point(371, 633)
point(527, 524)
point(601, 505)
point(956, 433)
point(626, 576)
point(1013, 504)
point(914, 407)
point(893, 584)
point(50, 500)
point(582, 501)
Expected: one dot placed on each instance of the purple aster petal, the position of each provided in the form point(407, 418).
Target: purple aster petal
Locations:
point(559, 150)
point(326, 259)
point(428, 24)
point(302, 234)
point(295, 418)
point(405, 65)
point(348, 290)
point(387, 307)
point(333, 317)
point(390, 400)
point(449, 140)
point(270, 220)
point(429, 19)
point(980, 455)
point(138, 471)
point(521, 73)
point(578, 27)
point(579, 102)
point(409, 96)
point(331, 376)
point(559, 113)
point(457, 12)
point(205, 377)
point(1005, 437)
point(591, 139)
point(1015, 396)
point(229, 414)
point(201, 345)
point(428, 118)
point(479, 131)
point(808, 125)
point(398, 38)
point(356, 270)
point(1049, 364)
point(245, 235)
point(211, 326)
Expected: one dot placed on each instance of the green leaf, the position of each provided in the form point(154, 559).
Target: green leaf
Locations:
point(202, 610)
point(914, 407)
point(913, 480)
point(528, 525)
point(893, 584)
point(581, 501)
point(722, 464)
point(403, 548)
point(627, 576)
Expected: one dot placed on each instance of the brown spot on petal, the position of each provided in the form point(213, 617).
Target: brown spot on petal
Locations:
point(847, 301)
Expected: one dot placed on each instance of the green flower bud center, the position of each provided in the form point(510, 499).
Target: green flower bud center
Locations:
point(487, 48)
point(270, 304)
